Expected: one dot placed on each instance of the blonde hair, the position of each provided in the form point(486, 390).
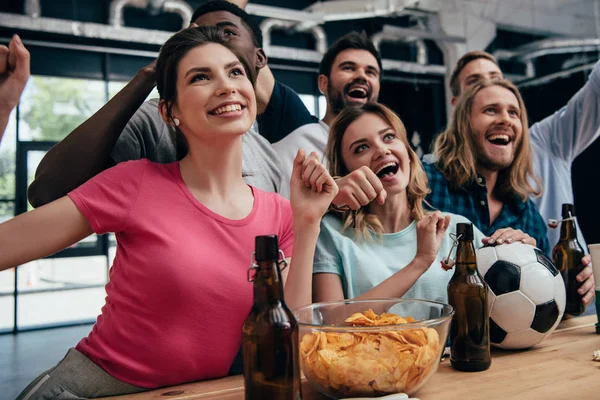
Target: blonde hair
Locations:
point(365, 224)
point(454, 149)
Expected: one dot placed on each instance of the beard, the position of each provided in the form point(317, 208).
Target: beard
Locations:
point(338, 100)
point(489, 161)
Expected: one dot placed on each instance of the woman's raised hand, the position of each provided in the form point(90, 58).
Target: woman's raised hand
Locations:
point(430, 232)
point(312, 189)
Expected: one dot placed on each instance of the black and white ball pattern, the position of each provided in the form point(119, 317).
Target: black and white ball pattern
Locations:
point(526, 295)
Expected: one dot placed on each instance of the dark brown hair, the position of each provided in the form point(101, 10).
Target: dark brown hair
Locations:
point(173, 51)
point(462, 63)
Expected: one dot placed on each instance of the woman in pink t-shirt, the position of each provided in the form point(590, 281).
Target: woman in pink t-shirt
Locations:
point(178, 293)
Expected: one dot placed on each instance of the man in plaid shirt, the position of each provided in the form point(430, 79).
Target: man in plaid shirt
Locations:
point(484, 166)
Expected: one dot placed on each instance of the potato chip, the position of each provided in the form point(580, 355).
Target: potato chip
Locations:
point(370, 363)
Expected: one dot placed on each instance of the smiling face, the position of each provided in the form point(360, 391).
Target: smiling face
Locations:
point(370, 141)
point(496, 127)
point(239, 37)
point(354, 80)
point(214, 95)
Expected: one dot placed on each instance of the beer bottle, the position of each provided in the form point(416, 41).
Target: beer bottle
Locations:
point(270, 332)
point(467, 293)
point(567, 255)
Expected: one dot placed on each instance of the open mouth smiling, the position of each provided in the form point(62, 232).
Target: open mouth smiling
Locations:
point(386, 170)
point(357, 92)
point(228, 108)
point(499, 139)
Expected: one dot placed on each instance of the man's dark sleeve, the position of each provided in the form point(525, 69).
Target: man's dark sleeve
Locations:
point(284, 114)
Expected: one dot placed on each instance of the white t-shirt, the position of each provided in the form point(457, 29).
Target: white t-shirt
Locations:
point(147, 136)
point(310, 137)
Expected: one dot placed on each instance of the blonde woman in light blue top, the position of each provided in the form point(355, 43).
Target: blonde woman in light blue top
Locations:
point(391, 247)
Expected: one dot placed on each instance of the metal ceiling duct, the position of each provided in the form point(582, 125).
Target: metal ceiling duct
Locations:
point(561, 74)
point(179, 7)
point(344, 10)
point(315, 56)
point(384, 36)
point(335, 10)
point(117, 32)
point(531, 51)
point(115, 12)
point(33, 8)
point(267, 26)
point(83, 29)
point(283, 13)
point(549, 46)
point(413, 68)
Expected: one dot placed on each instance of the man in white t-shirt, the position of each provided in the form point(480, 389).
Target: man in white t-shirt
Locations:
point(349, 74)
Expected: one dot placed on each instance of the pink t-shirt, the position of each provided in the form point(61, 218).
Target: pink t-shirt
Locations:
point(178, 292)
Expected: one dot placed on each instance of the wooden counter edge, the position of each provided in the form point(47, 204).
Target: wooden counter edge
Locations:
point(233, 384)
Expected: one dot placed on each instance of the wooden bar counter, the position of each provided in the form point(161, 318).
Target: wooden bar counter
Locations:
point(560, 368)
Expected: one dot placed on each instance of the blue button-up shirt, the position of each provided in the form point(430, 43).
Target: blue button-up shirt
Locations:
point(471, 201)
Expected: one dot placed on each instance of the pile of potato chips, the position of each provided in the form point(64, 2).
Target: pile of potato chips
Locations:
point(370, 363)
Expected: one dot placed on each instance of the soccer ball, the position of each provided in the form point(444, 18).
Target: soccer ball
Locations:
point(526, 295)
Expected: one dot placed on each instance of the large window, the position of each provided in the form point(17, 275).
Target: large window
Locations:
point(68, 287)
point(53, 107)
point(316, 105)
point(7, 209)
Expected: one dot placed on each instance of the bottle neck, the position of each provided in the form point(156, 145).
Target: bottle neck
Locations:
point(268, 286)
point(568, 230)
point(466, 261)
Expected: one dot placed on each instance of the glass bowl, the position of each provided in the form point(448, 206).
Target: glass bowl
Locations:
point(341, 360)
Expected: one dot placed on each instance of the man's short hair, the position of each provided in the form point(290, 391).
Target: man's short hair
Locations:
point(462, 63)
point(247, 20)
point(352, 40)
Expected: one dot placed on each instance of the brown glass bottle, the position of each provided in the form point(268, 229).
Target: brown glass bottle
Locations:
point(567, 255)
point(467, 293)
point(270, 332)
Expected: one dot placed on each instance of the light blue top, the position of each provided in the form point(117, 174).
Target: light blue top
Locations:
point(364, 264)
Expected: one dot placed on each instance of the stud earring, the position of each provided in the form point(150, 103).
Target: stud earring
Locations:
point(175, 122)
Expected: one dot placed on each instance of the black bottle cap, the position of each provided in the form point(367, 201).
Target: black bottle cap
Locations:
point(266, 248)
point(466, 230)
point(566, 209)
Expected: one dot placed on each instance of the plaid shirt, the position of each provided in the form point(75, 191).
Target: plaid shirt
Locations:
point(470, 201)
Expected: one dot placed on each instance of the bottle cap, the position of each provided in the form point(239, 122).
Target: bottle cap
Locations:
point(266, 248)
point(466, 230)
point(568, 210)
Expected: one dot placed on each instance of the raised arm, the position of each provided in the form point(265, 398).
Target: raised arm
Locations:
point(570, 130)
point(86, 151)
point(309, 203)
point(14, 73)
point(42, 232)
point(265, 82)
